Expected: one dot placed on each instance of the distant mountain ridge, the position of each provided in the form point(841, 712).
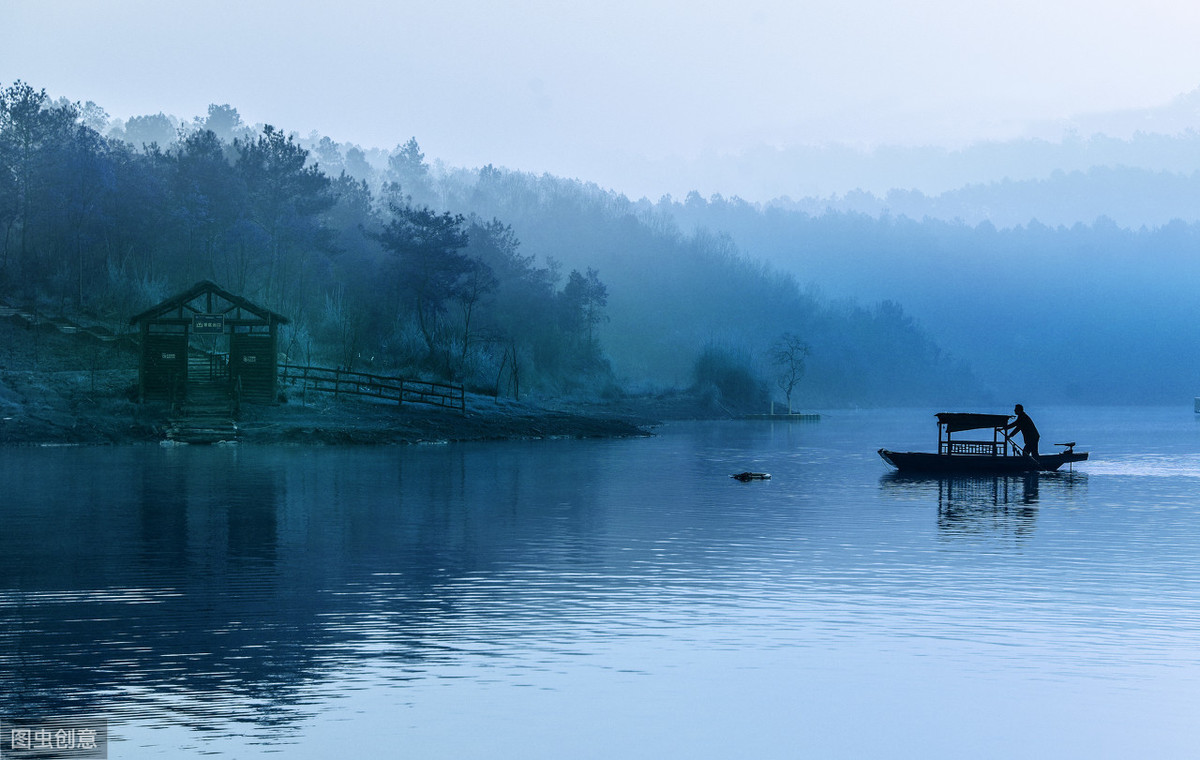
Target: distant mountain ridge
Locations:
point(1178, 116)
point(1163, 140)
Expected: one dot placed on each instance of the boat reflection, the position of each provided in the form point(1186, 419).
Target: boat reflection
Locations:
point(972, 504)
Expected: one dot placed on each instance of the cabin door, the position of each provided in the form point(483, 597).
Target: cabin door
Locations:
point(252, 361)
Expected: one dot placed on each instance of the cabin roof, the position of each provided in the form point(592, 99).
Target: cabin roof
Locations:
point(207, 287)
point(956, 421)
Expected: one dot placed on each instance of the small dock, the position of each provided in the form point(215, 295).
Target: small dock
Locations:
point(793, 417)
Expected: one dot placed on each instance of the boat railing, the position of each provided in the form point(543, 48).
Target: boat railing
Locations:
point(1001, 444)
point(989, 448)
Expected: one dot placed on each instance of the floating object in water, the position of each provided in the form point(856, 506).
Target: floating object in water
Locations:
point(745, 477)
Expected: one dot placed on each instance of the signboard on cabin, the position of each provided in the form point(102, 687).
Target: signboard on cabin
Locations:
point(208, 324)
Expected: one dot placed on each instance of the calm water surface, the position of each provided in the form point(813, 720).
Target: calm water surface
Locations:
point(613, 599)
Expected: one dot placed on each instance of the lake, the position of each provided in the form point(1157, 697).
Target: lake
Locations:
point(612, 598)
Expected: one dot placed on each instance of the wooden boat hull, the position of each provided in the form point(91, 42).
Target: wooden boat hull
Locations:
point(914, 461)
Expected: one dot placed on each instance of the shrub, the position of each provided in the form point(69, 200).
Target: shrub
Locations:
point(731, 378)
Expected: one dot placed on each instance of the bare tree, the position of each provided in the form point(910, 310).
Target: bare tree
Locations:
point(789, 353)
point(477, 281)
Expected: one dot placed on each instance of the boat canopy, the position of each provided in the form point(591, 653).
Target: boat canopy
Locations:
point(956, 421)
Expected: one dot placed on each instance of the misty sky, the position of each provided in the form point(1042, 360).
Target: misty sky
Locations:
point(606, 91)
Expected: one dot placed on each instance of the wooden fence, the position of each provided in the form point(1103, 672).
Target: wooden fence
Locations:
point(398, 389)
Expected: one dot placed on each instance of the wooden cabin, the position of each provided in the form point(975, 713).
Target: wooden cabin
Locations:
point(207, 340)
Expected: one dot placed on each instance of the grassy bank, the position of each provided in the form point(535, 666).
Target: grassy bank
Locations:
point(59, 388)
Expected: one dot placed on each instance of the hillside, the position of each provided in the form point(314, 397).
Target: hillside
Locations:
point(1095, 313)
point(508, 283)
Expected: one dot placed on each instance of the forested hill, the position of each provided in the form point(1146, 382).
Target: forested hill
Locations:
point(506, 281)
point(674, 295)
point(1087, 313)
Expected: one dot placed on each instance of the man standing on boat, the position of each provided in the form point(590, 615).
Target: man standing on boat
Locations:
point(1029, 433)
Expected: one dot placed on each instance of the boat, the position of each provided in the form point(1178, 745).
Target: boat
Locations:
point(977, 455)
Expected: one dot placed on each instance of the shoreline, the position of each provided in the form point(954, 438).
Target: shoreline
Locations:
point(62, 390)
point(55, 402)
point(116, 422)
